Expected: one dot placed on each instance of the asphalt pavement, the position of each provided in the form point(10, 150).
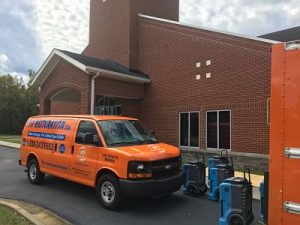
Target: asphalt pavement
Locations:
point(78, 204)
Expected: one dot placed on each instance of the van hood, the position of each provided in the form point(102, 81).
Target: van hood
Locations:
point(151, 152)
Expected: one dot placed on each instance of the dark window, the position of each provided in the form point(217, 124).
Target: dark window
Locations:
point(212, 130)
point(85, 127)
point(184, 129)
point(218, 130)
point(189, 129)
point(194, 129)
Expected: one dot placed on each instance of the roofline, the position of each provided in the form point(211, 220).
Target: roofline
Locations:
point(86, 69)
point(209, 29)
point(116, 75)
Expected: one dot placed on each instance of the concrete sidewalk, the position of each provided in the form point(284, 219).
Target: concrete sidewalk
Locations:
point(36, 214)
point(9, 144)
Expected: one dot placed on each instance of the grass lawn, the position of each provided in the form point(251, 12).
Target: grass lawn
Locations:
point(10, 217)
point(10, 138)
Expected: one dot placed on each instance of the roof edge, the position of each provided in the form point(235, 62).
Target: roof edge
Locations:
point(82, 67)
point(47, 61)
point(118, 76)
point(210, 29)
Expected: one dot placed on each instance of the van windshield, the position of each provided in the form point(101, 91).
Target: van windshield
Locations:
point(125, 132)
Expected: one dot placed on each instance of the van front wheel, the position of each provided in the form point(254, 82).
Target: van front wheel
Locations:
point(35, 176)
point(108, 191)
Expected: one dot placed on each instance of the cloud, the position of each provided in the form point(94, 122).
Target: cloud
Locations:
point(63, 24)
point(254, 17)
point(3, 61)
point(18, 39)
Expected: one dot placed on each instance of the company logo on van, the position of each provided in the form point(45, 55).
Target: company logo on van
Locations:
point(82, 154)
point(47, 124)
point(62, 148)
point(156, 148)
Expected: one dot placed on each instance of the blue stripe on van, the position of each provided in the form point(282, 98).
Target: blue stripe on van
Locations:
point(60, 137)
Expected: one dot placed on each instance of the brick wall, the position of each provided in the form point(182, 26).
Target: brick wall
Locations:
point(114, 27)
point(240, 81)
point(64, 76)
point(65, 108)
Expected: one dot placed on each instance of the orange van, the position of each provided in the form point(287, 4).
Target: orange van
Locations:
point(116, 155)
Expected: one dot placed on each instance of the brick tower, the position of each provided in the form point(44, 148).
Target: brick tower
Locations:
point(114, 27)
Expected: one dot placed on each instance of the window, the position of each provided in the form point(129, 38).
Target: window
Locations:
point(218, 129)
point(125, 133)
point(107, 106)
point(189, 129)
point(86, 127)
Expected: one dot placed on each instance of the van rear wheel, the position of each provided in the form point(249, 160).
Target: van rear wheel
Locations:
point(108, 192)
point(35, 176)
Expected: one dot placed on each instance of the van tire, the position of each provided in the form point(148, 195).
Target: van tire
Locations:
point(108, 191)
point(35, 176)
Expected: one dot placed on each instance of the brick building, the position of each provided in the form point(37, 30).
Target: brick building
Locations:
point(198, 88)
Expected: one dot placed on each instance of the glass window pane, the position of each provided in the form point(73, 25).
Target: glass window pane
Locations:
point(184, 129)
point(224, 130)
point(212, 130)
point(194, 129)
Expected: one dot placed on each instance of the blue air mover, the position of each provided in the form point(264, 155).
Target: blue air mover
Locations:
point(219, 170)
point(262, 198)
point(236, 201)
point(194, 178)
point(264, 192)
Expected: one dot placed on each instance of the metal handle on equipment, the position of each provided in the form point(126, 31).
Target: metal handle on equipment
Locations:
point(293, 153)
point(291, 207)
point(249, 176)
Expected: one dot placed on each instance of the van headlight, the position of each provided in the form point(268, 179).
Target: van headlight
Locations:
point(139, 170)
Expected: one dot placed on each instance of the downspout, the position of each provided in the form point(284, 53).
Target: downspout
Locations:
point(93, 93)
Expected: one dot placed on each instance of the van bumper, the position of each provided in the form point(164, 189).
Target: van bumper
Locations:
point(139, 188)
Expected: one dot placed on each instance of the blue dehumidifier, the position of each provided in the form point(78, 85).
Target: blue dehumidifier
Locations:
point(236, 201)
point(194, 178)
point(219, 170)
point(262, 198)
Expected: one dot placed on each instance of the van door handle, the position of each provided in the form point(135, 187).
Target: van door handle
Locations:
point(72, 149)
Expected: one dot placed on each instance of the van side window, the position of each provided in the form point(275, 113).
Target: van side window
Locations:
point(87, 134)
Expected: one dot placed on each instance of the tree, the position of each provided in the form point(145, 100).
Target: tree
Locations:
point(18, 101)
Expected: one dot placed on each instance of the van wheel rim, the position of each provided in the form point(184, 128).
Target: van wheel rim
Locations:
point(107, 192)
point(32, 172)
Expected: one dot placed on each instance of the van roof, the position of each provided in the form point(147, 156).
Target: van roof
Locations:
point(93, 117)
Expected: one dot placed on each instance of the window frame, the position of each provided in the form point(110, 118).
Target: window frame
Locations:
point(218, 129)
point(189, 133)
point(99, 139)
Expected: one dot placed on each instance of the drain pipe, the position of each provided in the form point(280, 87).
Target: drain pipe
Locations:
point(93, 92)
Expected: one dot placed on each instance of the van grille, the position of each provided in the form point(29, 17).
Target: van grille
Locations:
point(165, 168)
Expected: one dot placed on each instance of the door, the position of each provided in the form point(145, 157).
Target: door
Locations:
point(284, 197)
point(291, 160)
point(85, 153)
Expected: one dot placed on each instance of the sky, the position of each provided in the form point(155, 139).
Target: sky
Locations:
point(30, 29)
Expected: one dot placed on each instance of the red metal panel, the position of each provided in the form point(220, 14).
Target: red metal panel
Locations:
point(285, 122)
point(291, 167)
point(276, 135)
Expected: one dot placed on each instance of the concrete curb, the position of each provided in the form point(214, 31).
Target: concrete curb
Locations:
point(35, 214)
point(9, 144)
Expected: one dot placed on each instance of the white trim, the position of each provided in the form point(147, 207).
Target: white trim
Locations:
point(71, 60)
point(218, 130)
point(189, 124)
point(209, 29)
point(118, 76)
